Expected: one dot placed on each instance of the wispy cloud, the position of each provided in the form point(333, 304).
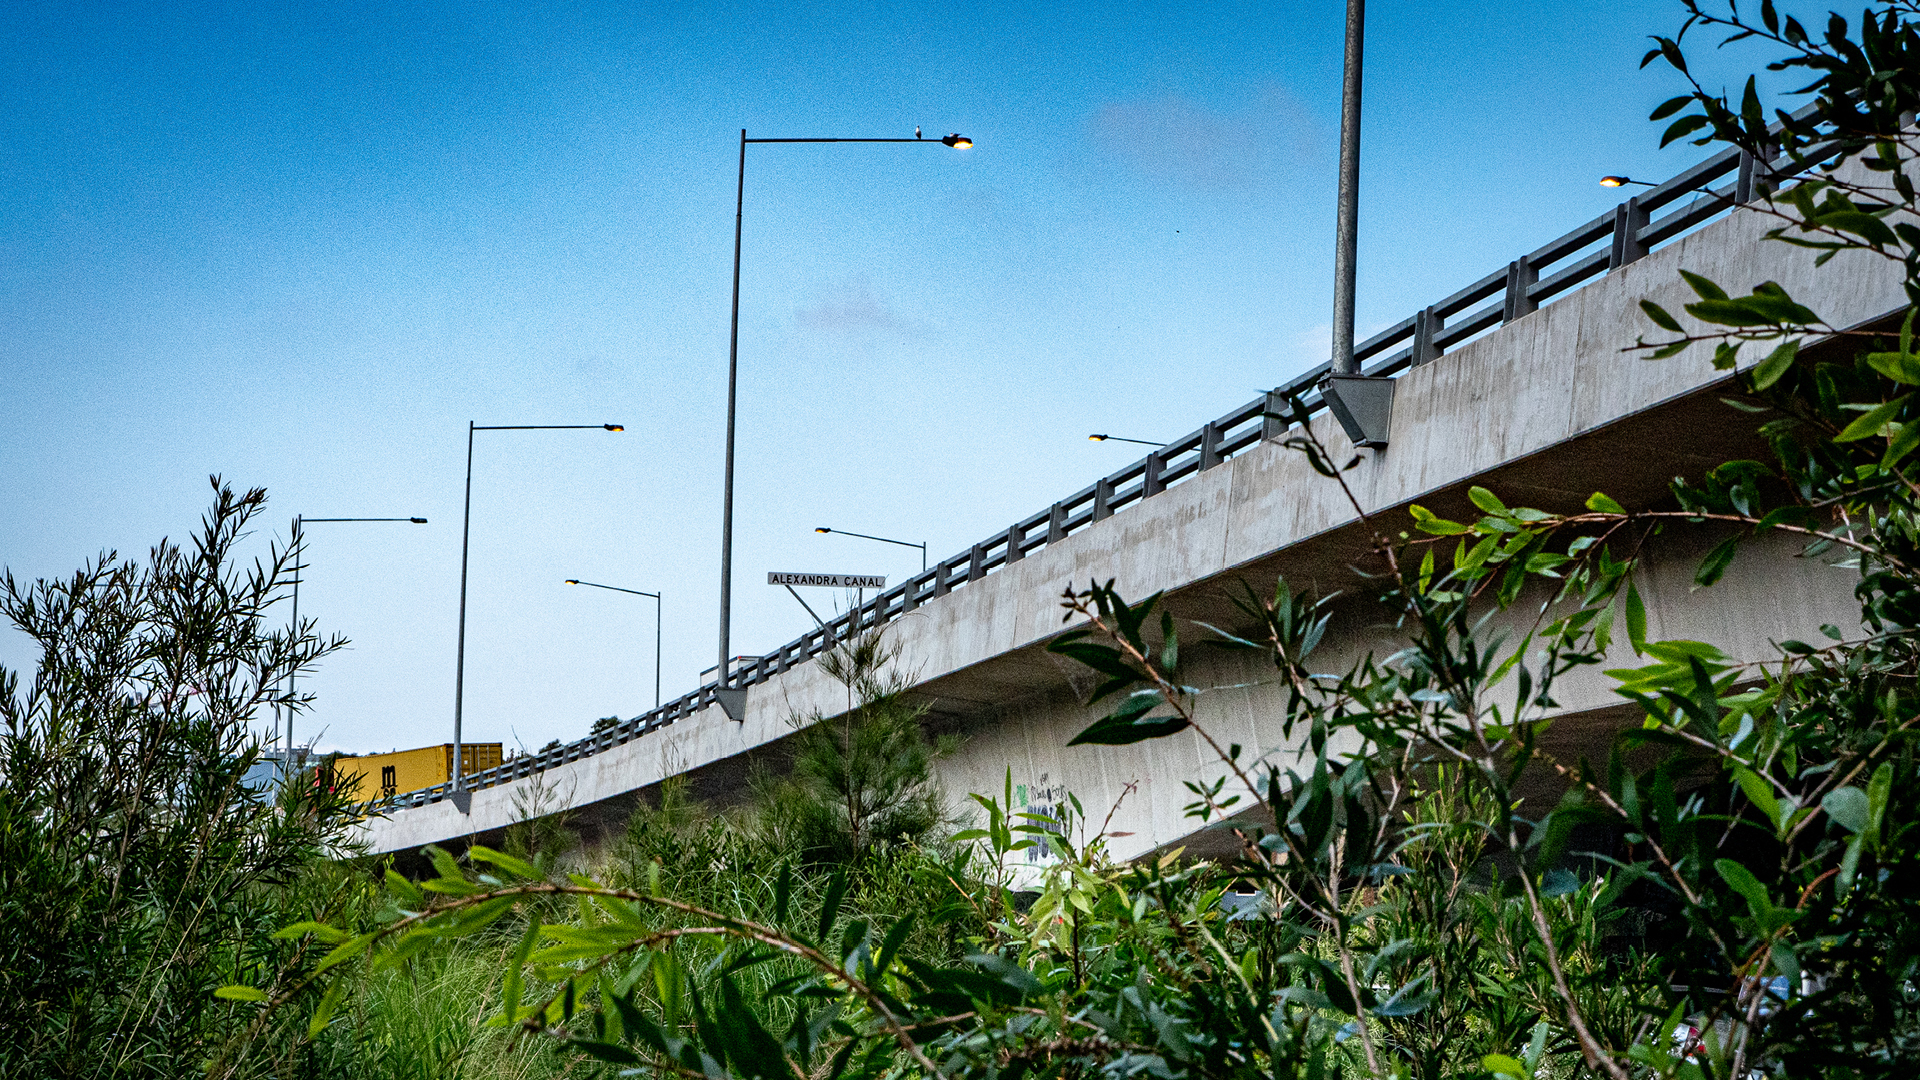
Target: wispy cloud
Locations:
point(851, 307)
point(1181, 140)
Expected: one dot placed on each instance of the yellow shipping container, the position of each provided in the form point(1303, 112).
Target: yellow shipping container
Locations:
point(383, 775)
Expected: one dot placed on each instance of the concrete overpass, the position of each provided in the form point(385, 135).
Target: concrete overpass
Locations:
point(1517, 382)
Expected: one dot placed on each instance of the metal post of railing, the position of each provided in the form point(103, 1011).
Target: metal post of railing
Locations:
point(1425, 325)
point(1273, 422)
point(1521, 275)
point(1628, 220)
point(1102, 496)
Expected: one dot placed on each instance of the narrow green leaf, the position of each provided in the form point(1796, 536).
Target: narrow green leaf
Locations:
point(343, 952)
point(322, 931)
point(1601, 503)
point(405, 891)
point(1758, 793)
point(1636, 620)
point(830, 907)
point(1659, 316)
point(1879, 789)
point(1716, 562)
point(1901, 367)
point(323, 1012)
point(1768, 371)
point(1670, 106)
point(514, 981)
point(1704, 288)
point(1427, 522)
point(240, 993)
point(1848, 807)
point(1786, 963)
point(517, 867)
point(1117, 730)
point(1906, 438)
point(1682, 128)
point(1743, 882)
point(783, 891)
point(1871, 422)
point(1486, 500)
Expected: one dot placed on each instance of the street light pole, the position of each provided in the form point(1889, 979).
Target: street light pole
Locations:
point(299, 543)
point(658, 603)
point(1347, 231)
point(466, 533)
point(721, 672)
point(882, 539)
point(1363, 404)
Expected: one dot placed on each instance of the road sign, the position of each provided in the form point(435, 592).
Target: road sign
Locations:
point(829, 581)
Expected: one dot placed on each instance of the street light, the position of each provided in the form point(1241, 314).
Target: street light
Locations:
point(466, 531)
point(882, 539)
point(1622, 181)
point(657, 603)
point(958, 142)
point(1118, 438)
point(299, 529)
point(1347, 212)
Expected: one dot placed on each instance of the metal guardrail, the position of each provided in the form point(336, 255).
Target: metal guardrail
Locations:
point(1614, 239)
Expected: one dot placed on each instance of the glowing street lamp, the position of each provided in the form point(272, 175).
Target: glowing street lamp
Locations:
point(956, 141)
point(657, 602)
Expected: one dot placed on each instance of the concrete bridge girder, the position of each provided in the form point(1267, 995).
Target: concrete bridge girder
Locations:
point(1544, 410)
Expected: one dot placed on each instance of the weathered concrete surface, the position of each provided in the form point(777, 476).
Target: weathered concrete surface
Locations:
point(1545, 410)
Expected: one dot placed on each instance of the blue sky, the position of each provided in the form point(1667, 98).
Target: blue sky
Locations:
point(302, 245)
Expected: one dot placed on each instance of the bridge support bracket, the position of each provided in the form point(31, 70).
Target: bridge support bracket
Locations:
point(733, 703)
point(462, 799)
point(1364, 406)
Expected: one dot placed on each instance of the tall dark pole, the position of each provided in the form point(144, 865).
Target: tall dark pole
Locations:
point(733, 381)
point(1349, 208)
point(300, 523)
point(466, 531)
point(659, 600)
point(955, 141)
point(460, 652)
point(299, 549)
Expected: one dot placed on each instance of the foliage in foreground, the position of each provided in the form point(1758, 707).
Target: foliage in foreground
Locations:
point(138, 873)
point(1740, 871)
point(1409, 914)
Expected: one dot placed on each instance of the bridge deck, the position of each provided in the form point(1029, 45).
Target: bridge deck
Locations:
point(1546, 408)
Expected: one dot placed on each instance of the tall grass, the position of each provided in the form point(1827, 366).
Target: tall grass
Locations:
point(430, 1021)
